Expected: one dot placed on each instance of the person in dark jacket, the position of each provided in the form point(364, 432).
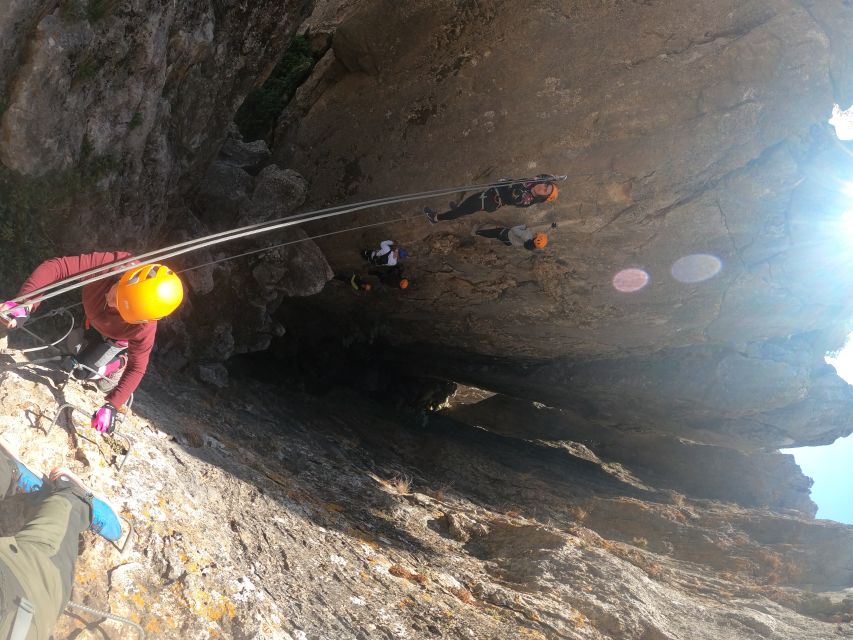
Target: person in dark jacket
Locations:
point(123, 309)
point(516, 194)
point(391, 276)
point(37, 564)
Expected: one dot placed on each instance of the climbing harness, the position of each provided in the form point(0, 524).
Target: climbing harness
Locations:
point(120, 266)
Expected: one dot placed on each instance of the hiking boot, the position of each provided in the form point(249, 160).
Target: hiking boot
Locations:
point(23, 480)
point(110, 380)
point(431, 215)
point(104, 520)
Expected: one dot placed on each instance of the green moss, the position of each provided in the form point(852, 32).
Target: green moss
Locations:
point(135, 121)
point(86, 69)
point(257, 116)
point(26, 203)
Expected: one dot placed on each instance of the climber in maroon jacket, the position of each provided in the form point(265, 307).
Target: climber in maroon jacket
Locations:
point(123, 309)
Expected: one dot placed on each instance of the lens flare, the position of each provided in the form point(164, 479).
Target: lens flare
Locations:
point(696, 267)
point(630, 280)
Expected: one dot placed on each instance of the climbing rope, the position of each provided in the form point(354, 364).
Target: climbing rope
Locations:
point(120, 266)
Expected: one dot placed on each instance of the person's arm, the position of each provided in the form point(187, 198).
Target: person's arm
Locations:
point(385, 247)
point(51, 271)
point(57, 269)
point(138, 353)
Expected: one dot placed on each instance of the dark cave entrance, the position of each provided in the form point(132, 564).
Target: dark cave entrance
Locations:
point(318, 363)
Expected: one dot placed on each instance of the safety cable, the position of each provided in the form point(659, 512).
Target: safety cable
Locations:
point(47, 344)
point(284, 244)
point(120, 266)
point(109, 616)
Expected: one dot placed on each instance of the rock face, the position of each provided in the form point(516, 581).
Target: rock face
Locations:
point(702, 471)
point(260, 513)
point(698, 155)
point(675, 327)
point(146, 89)
point(233, 301)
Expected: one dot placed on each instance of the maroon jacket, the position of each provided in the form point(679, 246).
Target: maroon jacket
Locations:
point(105, 319)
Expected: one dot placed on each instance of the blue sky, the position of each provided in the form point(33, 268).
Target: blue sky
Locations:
point(831, 467)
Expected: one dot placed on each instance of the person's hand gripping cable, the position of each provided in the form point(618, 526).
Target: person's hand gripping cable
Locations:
point(12, 314)
point(104, 419)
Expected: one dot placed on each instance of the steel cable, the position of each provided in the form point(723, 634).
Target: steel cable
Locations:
point(120, 266)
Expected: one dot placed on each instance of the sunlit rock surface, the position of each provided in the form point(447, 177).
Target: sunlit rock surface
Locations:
point(260, 513)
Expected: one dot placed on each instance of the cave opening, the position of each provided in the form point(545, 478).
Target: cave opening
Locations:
point(828, 465)
point(317, 364)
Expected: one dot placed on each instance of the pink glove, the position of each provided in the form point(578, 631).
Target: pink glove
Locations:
point(13, 311)
point(104, 419)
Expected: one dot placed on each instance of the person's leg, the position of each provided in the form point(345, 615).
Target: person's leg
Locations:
point(52, 535)
point(471, 204)
point(15, 477)
point(491, 233)
point(7, 472)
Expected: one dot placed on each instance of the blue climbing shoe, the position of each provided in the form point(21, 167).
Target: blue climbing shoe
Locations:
point(431, 215)
point(23, 480)
point(104, 520)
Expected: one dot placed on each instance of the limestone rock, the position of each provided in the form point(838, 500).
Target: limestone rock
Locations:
point(215, 374)
point(259, 511)
point(112, 103)
point(278, 192)
point(246, 155)
point(223, 191)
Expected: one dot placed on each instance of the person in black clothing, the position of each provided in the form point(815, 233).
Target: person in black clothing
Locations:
point(391, 276)
point(517, 194)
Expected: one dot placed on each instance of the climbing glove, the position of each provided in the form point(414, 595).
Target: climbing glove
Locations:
point(104, 419)
point(16, 314)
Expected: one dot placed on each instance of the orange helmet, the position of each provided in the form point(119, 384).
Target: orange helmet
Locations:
point(404, 283)
point(554, 192)
point(148, 292)
point(540, 240)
